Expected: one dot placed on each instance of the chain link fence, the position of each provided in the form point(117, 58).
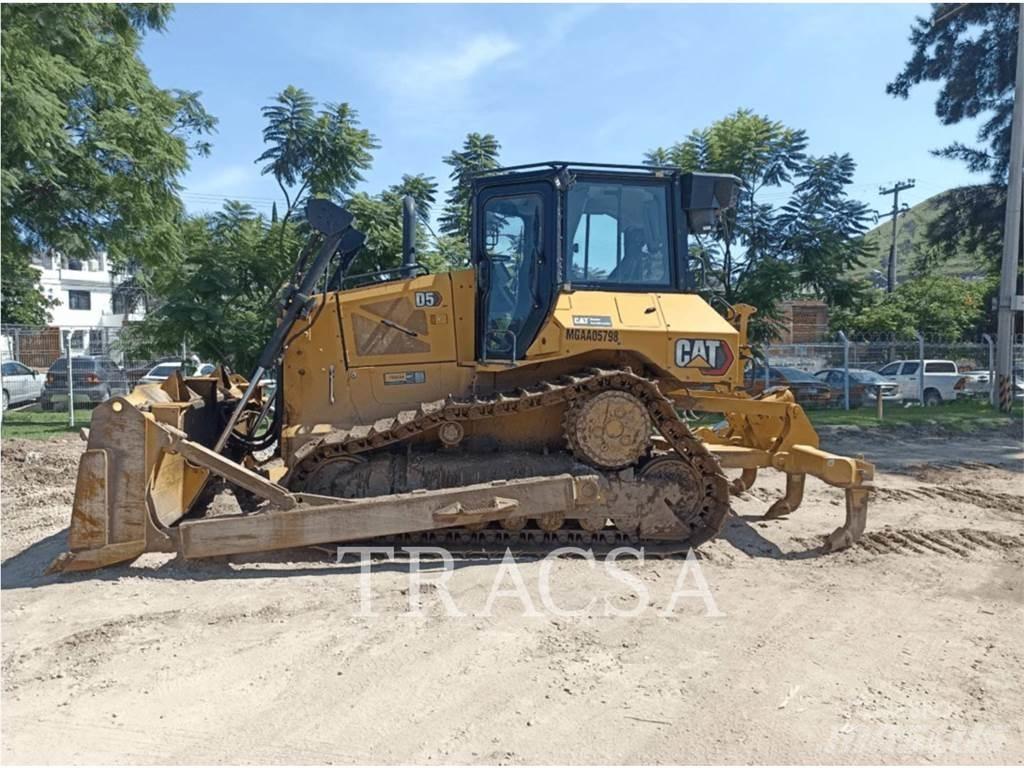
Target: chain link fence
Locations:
point(925, 369)
point(35, 366)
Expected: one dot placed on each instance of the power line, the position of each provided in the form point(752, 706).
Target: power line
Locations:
point(946, 15)
point(895, 190)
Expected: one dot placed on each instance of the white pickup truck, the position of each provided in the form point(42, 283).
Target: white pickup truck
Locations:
point(940, 378)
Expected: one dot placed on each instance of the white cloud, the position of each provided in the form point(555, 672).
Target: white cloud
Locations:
point(563, 23)
point(426, 73)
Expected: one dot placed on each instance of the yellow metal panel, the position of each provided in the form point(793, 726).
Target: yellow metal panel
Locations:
point(402, 387)
point(403, 322)
point(638, 310)
point(464, 313)
point(648, 324)
point(689, 313)
point(314, 367)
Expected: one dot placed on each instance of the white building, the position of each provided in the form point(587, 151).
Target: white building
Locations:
point(88, 303)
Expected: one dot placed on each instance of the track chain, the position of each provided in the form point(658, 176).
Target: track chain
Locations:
point(406, 425)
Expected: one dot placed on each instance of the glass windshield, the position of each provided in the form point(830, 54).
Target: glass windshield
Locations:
point(512, 231)
point(619, 233)
point(77, 363)
point(163, 371)
point(866, 377)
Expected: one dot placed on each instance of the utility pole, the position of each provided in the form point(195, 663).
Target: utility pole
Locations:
point(1009, 301)
point(898, 187)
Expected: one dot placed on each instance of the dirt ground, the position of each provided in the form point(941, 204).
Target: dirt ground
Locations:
point(908, 648)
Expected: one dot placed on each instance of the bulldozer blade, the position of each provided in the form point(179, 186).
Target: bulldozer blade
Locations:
point(130, 489)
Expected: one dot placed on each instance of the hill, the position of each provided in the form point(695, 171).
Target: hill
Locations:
point(910, 243)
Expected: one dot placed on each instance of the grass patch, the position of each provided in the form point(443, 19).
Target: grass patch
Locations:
point(34, 424)
point(959, 416)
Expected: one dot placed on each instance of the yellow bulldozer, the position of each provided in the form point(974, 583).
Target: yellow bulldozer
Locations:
point(543, 395)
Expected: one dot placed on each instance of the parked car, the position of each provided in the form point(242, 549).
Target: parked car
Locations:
point(940, 378)
point(807, 389)
point(864, 385)
point(96, 378)
point(20, 383)
point(162, 371)
point(158, 373)
point(974, 384)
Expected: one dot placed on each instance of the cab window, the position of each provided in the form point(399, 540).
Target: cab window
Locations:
point(619, 234)
point(512, 247)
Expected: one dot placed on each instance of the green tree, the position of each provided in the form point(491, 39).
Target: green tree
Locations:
point(763, 252)
point(971, 50)
point(939, 306)
point(479, 153)
point(22, 301)
point(311, 153)
point(221, 294)
point(219, 297)
point(379, 217)
point(91, 149)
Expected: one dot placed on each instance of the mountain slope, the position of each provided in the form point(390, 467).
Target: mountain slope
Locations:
point(910, 243)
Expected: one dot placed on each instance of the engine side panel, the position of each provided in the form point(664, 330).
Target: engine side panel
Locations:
point(677, 332)
point(407, 321)
point(374, 351)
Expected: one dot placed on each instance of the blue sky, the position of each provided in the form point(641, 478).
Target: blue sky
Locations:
point(578, 82)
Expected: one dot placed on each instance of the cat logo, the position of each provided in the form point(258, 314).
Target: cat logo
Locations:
point(712, 357)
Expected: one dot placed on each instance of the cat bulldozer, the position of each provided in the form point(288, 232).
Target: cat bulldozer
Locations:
point(550, 393)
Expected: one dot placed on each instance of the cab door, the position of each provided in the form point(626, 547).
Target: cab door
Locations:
point(514, 250)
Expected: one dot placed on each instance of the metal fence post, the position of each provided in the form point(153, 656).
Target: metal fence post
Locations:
point(71, 383)
point(846, 370)
point(991, 369)
point(767, 369)
point(920, 366)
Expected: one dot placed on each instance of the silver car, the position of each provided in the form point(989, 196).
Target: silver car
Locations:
point(20, 384)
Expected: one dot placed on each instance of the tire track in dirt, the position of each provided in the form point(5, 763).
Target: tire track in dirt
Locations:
point(988, 500)
point(951, 542)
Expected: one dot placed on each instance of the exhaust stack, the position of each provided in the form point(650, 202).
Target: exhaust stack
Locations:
point(408, 236)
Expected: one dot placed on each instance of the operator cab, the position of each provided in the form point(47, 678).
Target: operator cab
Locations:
point(541, 229)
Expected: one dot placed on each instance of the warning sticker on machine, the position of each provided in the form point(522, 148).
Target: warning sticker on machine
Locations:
point(592, 321)
point(405, 377)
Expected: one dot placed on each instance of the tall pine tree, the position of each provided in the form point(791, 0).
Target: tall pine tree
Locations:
point(479, 153)
point(971, 50)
